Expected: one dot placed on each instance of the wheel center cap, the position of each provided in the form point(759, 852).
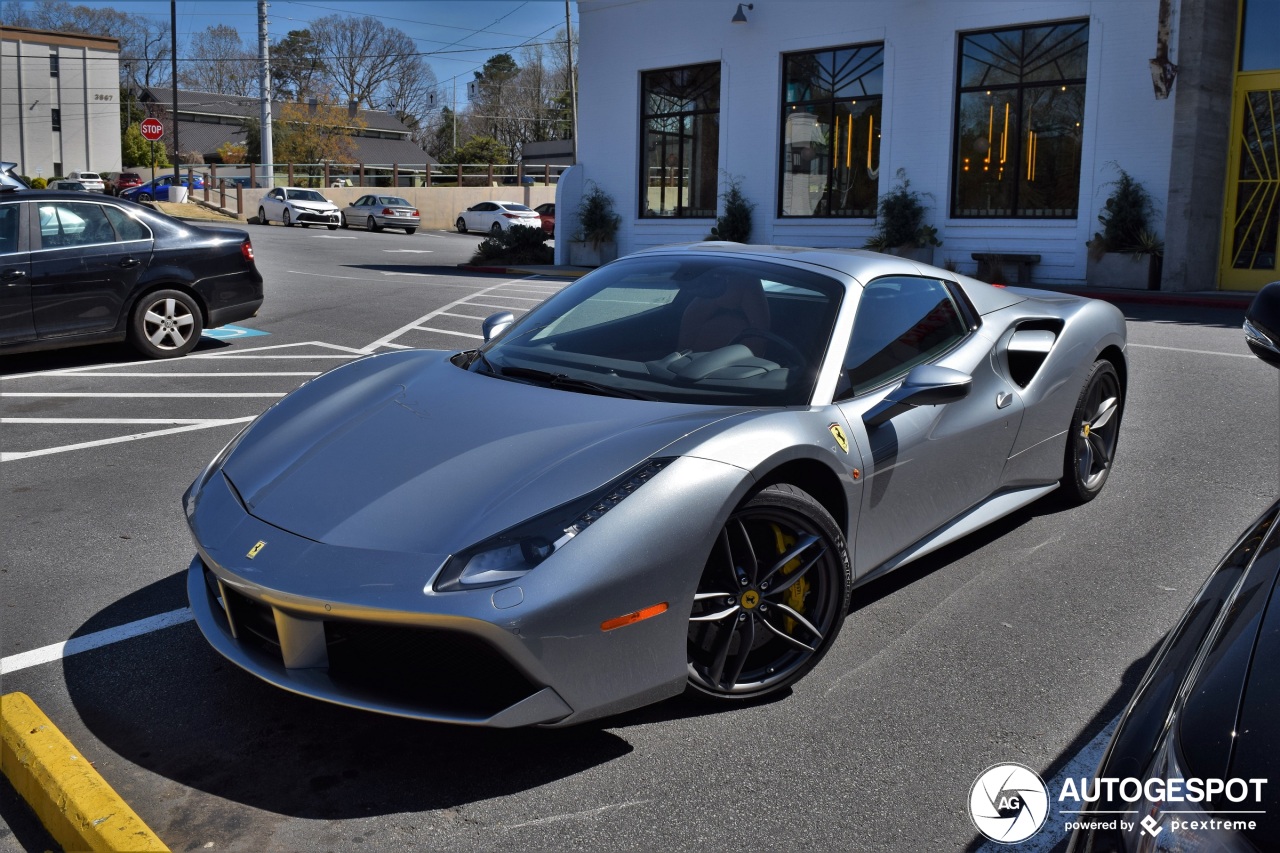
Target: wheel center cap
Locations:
point(750, 599)
point(1086, 430)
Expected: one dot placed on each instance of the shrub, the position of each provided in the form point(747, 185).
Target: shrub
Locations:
point(1125, 220)
point(38, 183)
point(597, 223)
point(900, 219)
point(520, 244)
point(735, 224)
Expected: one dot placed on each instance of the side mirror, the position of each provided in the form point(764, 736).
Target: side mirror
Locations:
point(1262, 324)
point(926, 385)
point(495, 324)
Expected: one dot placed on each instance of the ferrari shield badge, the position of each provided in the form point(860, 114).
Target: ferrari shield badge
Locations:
point(838, 434)
point(253, 552)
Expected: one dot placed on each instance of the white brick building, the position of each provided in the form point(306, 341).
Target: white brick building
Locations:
point(1011, 118)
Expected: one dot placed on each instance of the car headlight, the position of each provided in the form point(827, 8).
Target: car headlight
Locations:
point(517, 550)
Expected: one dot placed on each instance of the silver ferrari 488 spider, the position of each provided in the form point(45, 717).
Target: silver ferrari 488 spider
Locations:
point(666, 477)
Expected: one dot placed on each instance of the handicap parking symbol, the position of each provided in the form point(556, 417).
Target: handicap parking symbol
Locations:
point(228, 332)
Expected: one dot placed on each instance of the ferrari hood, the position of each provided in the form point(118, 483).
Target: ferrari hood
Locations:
point(408, 452)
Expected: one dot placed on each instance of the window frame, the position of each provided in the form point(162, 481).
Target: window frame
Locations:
point(829, 103)
point(54, 69)
point(965, 311)
point(644, 212)
point(1020, 87)
point(55, 119)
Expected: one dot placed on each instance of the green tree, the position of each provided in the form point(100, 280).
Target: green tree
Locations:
point(297, 67)
point(136, 151)
point(478, 151)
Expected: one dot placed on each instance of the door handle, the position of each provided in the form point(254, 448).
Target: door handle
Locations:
point(1003, 399)
point(129, 263)
point(13, 276)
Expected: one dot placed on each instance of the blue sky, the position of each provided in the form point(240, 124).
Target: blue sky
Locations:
point(461, 34)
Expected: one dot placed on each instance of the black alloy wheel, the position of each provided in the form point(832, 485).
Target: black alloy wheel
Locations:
point(772, 597)
point(1094, 432)
point(461, 225)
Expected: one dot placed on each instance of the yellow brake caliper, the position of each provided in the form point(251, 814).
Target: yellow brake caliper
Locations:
point(796, 594)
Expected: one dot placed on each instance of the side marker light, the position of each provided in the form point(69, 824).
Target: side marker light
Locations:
point(632, 618)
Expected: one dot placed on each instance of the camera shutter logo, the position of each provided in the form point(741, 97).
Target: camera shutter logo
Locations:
point(1008, 803)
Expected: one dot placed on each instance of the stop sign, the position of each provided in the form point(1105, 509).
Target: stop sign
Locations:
point(151, 129)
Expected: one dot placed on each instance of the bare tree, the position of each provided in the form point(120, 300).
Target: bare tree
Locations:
point(362, 54)
point(144, 42)
point(219, 62)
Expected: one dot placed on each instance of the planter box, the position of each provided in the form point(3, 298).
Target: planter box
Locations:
point(1130, 272)
point(587, 255)
point(922, 254)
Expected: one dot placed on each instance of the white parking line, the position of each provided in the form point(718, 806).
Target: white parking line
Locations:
point(447, 332)
point(408, 327)
point(156, 395)
point(213, 421)
point(96, 640)
point(1194, 351)
point(13, 457)
point(491, 305)
point(461, 316)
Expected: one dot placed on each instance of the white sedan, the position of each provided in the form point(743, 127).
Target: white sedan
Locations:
point(292, 205)
point(92, 181)
point(496, 216)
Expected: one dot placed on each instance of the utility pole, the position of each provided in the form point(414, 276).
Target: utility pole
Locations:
point(173, 64)
point(264, 85)
point(573, 85)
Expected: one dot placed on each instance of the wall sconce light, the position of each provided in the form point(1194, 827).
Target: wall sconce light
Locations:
point(740, 17)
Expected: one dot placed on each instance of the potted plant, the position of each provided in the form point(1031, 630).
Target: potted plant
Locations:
point(735, 224)
point(1126, 252)
point(593, 242)
point(900, 225)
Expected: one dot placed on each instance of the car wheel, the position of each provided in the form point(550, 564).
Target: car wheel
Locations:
point(373, 225)
point(772, 597)
point(1095, 429)
point(461, 225)
point(496, 229)
point(288, 220)
point(262, 216)
point(410, 230)
point(342, 220)
point(165, 324)
point(332, 227)
point(144, 197)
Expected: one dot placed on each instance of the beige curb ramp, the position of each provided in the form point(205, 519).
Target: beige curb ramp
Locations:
point(75, 804)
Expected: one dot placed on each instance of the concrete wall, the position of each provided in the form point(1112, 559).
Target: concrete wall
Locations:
point(1124, 124)
point(437, 206)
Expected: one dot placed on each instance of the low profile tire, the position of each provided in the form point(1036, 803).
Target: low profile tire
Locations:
point(342, 220)
point(410, 230)
point(771, 599)
point(288, 220)
point(373, 225)
point(144, 197)
point(1091, 441)
point(332, 227)
point(461, 225)
point(165, 324)
point(262, 216)
point(495, 229)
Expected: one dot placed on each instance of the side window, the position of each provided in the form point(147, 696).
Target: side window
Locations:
point(126, 226)
point(901, 322)
point(9, 228)
point(64, 224)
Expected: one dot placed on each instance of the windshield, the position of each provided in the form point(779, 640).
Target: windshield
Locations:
point(517, 207)
point(304, 195)
point(702, 330)
point(393, 199)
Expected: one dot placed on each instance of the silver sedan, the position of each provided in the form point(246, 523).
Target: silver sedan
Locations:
point(376, 212)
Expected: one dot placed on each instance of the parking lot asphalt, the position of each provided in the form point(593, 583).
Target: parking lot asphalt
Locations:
point(1019, 643)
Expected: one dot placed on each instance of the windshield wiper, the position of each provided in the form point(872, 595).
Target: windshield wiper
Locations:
point(570, 383)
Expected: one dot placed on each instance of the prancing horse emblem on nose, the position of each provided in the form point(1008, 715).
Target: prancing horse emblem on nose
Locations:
point(253, 552)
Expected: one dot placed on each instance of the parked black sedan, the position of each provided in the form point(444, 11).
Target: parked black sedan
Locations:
point(1201, 735)
point(81, 270)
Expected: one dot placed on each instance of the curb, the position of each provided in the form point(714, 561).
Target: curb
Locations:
point(76, 805)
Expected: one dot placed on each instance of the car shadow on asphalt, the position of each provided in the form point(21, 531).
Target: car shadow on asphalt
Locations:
point(171, 705)
point(429, 269)
point(89, 356)
point(1185, 315)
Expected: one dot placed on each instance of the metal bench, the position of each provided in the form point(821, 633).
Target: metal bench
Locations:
point(990, 263)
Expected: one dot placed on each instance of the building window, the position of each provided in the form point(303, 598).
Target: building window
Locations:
point(55, 118)
point(831, 131)
point(1019, 122)
point(53, 65)
point(680, 141)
